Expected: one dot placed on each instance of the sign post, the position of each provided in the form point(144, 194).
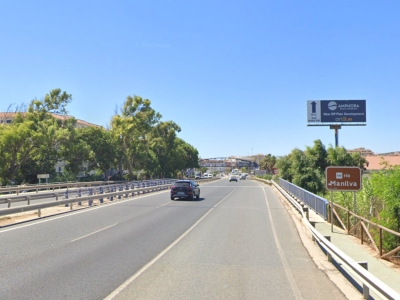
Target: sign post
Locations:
point(46, 176)
point(345, 179)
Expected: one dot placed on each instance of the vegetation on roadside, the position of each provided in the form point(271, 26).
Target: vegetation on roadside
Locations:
point(137, 141)
point(377, 201)
point(266, 176)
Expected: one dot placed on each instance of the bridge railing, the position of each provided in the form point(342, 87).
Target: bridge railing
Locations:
point(318, 204)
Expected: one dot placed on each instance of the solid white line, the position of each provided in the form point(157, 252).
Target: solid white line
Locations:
point(94, 232)
point(161, 254)
point(286, 267)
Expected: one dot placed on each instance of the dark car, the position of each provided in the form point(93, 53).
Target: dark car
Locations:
point(185, 189)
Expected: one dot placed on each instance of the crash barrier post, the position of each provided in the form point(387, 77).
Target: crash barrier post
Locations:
point(134, 186)
point(101, 192)
point(112, 197)
point(79, 195)
point(90, 202)
point(120, 188)
point(66, 197)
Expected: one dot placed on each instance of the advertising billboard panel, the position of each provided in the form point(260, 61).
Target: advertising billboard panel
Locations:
point(344, 112)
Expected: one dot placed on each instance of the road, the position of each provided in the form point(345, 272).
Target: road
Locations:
point(236, 242)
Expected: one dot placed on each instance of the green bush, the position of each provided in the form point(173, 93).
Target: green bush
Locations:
point(266, 177)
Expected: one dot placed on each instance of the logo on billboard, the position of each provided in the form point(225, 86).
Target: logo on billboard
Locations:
point(332, 105)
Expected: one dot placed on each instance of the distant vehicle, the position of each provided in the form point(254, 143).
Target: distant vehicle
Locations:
point(210, 175)
point(205, 175)
point(185, 189)
point(233, 177)
point(198, 175)
point(235, 172)
point(243, 176)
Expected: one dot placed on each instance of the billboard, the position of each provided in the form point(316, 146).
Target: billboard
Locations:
point(343, 112)
point(343, 178)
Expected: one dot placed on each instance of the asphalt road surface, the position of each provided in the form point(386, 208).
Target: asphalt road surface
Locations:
point(237, 241)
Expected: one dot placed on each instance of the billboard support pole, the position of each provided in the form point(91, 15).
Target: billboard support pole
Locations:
point(336, 136)
point(336, 127)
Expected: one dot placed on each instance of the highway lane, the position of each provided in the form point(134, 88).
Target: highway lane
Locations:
point(236, 252)
point(226, 245)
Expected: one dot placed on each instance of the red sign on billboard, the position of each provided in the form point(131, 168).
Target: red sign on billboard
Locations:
point(343, 178)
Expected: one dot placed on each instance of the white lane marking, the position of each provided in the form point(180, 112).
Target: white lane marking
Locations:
point(137, 197)
point(163, 204)
point(286, 267)
point(225, 186)
point(94, 232)
point(161, 254)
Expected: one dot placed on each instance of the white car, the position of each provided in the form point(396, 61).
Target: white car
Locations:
point(210, 175)
point(233, 177)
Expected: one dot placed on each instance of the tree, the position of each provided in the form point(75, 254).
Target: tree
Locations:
point(73, 148)
point(268, 162)
point(16, 148)
point(284, 164)
point(338, 156)
point(163, 140)
point(359, 160)
point(132, 128)
point(102, 147)
point(55, 101)
point(30, 140)
point(316, 156)
point(305, 168)
point(184, 156)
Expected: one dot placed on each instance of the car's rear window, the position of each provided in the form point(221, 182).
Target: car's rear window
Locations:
point(182, 183)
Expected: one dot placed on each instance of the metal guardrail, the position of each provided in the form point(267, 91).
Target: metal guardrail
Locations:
point(109, 192)
point(19, 197)
point(368, 280)
point(18, 189)
point(316, 203)
point(111, 195)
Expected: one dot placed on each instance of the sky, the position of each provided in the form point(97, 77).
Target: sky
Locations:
point(234, 75)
